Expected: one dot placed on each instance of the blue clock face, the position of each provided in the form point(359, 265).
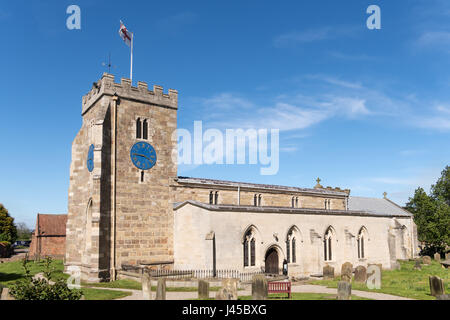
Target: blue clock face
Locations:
point(90, 158)
point(143, 155)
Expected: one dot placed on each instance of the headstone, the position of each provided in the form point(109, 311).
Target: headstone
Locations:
point(417, 265)
point(360, 274)
point(447, 256)
point(231, 285)
point(395, 265)
point(437, 257)
point(436, 286)
point(328, 272)
point(344, 290)
point(146, 287)
point(259, 287)
point(224, 294)
point(203, 289)
point(347, 272)
point(5, 295)
point(161, 289)
point(443, 297)
point(426, 260)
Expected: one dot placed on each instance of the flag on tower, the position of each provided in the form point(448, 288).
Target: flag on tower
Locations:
point(126, 35)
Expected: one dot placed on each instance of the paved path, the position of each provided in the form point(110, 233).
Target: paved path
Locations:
point(309, 288)
point(306, 288)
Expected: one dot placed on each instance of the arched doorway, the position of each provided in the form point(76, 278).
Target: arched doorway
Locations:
point(272, 261)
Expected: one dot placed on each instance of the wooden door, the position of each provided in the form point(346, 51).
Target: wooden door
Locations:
point(272, 261)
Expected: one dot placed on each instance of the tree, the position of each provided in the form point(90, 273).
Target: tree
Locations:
point(432, 214)
point(441, 190)
point(23, 232)
point(8, 231)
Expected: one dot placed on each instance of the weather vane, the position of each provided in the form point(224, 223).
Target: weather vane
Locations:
point(109, 65)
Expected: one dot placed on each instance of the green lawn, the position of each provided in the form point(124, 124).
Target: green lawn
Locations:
point(300, 296)
point(98, 294)
point(405, 282)
point(11, 272)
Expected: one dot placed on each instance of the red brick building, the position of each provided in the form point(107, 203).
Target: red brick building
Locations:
point(49, 237)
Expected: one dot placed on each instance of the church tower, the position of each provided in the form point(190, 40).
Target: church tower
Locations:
point(123, 159)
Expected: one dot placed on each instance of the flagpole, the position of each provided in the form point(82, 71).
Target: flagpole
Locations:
point(131, 64)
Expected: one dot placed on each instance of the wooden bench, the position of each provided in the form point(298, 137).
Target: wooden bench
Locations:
point(279, 287)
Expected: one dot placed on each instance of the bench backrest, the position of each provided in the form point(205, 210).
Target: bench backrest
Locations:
point(279, 286)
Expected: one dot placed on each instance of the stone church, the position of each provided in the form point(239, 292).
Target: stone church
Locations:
point(127, 206)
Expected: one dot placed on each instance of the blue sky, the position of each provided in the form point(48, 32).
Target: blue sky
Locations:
point(362, 109)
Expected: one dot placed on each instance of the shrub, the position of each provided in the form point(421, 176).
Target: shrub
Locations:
point(42, 289)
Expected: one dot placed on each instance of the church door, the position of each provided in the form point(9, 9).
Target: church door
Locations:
point(272, 261)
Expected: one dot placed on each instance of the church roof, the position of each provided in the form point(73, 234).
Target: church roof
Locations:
point(377, 206)
point(225, 183)
point(267, 209)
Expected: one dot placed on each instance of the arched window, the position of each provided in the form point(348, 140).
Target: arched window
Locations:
point(294, 256)
point(327, 245)
point(362, 236)
point(296, 202)
point(293, 202)
point(249, 243)
point(255, 200)
point(259, 200)
point(291, 249)
point(252, 252)
point(138, 128)
point(216, 198)
point(211, 197)
point(145, 130)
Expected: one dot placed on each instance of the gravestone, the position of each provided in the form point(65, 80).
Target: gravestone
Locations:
point(224, 294)
point(437, 257)
point(5, 294)
point(417, 265)
point(146, 287)
point(203, 289)
point(328, 272)
point(231, 286)
point(360, 274)
point(443, 297)
point(347, 272)
point(161, 289)
point(344, 291)
point(447, 256)
point(426, 260)
point(395, 265)
point(259, 287)
point(436, 286)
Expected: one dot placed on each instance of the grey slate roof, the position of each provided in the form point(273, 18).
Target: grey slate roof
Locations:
point(266, 209)
point(226, 183)
point(376, 206)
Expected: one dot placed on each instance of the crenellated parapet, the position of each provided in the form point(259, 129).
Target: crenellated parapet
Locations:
point(124, 89)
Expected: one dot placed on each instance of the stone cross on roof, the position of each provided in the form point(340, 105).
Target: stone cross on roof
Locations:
point(318, 185)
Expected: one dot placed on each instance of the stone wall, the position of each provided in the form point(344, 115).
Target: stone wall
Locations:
point(194, 251)
point(140, 211)
point(273, 198)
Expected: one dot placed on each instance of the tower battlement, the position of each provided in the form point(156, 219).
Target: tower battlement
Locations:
point(124, 89)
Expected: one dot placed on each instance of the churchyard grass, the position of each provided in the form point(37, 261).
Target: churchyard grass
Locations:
point(299, 296)
point(98, 294)
point(10, 272)
point(405, 282)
